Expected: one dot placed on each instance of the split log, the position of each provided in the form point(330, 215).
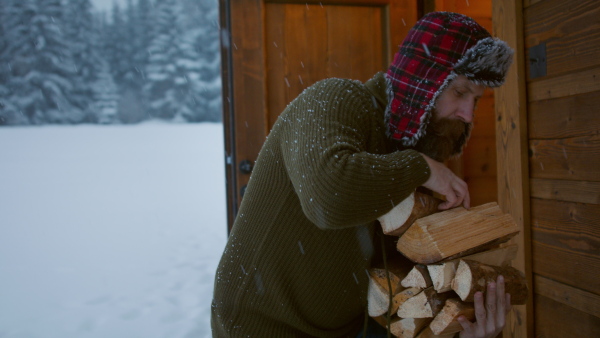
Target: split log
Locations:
point(427, 333)
point(402, 297)
point(447, 320)
point(418, 277)
point(408, 327)
point(442, 274)
point(426, 304)
point(472, 276)
point(378, 299)
point(456, 233)
point(378, 294)
point(403, 215)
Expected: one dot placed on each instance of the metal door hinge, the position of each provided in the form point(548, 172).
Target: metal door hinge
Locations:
point(537, 61)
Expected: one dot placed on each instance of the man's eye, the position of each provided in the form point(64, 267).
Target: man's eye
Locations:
point(458, 93)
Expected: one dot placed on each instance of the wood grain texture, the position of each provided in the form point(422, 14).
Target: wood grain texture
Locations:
point(566, 266)
point(570, 116)
point(580, 82)
point(297, 58)
point(569, 227)
point(576, 158)
point(578, 299)
point(446, 321)
point(527, 3)
point(482, 189)
point(571, 31)
point(455, 233)
point(248, 84)
point(554, 319)
point(566, 190)
point(511, 148)
point(472, 277)
point(482, 159)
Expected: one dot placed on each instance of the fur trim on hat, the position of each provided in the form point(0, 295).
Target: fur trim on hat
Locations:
point(486, 63)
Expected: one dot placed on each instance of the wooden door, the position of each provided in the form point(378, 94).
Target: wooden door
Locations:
point(274, 49)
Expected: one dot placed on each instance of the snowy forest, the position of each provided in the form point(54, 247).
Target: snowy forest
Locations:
point(64, 62)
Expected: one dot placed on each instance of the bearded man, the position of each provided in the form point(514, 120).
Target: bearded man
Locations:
point(342, 154)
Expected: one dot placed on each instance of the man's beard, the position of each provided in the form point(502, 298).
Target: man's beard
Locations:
point(443, 138)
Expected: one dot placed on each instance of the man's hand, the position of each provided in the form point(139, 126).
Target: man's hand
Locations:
point(490, 320)
point(443, 181)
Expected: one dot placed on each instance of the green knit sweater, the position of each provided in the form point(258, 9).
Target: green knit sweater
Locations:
point(296, 260)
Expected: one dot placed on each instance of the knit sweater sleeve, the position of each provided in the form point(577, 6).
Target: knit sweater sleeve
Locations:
point(336, 165)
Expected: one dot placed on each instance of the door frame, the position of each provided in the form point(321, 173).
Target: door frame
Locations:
point(511, 127)
point(512, 153)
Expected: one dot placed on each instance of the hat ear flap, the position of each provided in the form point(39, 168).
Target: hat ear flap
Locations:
point(486, 63)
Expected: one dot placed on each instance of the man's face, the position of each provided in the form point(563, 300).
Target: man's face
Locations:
point(446, 132)
point(459, 100)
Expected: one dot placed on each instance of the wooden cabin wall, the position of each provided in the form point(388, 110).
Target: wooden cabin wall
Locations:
point(564, 166)
point(477, 165)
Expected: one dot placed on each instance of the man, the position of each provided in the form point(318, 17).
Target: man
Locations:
point(342, 154)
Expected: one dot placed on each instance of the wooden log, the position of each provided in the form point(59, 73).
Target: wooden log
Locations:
point(378, 294)
point(426, 304)
point(442, 274)
point(402, 297)
point(447, 320)
point(427, 333)
point(403, 215)
point(378, 299)
point(408, 327)
point(456, 233)
point(418, 277)
point(472, 276)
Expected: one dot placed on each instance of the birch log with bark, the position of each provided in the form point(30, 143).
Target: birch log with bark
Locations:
point(472, 276)
point(442, 274)
point(379, 292)
point(403, 215)
point(418, 277)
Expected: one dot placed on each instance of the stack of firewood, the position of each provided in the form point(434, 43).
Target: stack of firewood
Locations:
point(446, 257)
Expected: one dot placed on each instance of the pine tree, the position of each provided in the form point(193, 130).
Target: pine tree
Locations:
point(202, 25)
point(113, 42)
point(41, 71)
point(144, 32)
point(173, 69)
point(82, 33)
point(106, 97)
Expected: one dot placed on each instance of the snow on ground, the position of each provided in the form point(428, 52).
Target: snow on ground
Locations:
point(110, 231)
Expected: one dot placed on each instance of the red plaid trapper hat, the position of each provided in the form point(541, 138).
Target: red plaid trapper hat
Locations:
point(438, 48)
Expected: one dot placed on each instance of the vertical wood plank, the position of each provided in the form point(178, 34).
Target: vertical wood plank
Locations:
point(511, 144)
point(244, 73)
point(228, 114)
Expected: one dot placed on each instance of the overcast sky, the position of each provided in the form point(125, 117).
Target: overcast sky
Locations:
point(106, 5)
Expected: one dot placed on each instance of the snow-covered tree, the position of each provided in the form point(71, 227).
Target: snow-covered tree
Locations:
point(106, 97)
point(201, 24)
point(41, 72)
point(114, 44)
point(172, 85)
point(82, 32)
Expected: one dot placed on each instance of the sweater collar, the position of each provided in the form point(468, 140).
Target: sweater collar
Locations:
point(377, 86)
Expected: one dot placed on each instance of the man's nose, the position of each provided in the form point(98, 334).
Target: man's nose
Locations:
point(466, 112)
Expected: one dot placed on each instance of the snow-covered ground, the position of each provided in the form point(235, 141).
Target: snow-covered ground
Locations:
point(110, 231)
